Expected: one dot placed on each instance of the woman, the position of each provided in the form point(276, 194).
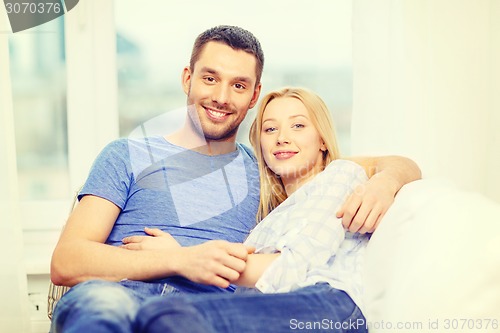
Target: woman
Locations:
point(306, 267)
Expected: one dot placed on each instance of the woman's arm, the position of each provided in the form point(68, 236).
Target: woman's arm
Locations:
point(256, 265)
point(303, 230)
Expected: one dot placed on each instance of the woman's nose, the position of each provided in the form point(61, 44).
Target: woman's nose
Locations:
point(282, 138)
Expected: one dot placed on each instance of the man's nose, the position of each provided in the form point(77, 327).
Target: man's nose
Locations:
point(221, 94)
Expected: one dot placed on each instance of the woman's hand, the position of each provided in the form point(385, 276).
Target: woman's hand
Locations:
point(157, 240)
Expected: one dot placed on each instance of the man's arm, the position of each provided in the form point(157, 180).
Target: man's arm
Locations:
point(364, 209)
point(256, 263)
point(81, 254)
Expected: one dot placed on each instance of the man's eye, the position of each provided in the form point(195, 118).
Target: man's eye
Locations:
point(209, 79)
point(239, 86)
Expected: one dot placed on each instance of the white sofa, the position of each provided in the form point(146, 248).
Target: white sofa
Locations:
point(433, 265)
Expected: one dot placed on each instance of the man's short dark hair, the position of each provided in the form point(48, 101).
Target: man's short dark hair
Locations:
point(234, 37)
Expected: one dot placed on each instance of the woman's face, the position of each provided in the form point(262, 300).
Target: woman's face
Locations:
point(291, 145)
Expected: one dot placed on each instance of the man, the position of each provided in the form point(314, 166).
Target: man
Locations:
point(196, 184)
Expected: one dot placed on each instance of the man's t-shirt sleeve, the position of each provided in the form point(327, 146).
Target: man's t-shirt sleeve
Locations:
point(110, 176)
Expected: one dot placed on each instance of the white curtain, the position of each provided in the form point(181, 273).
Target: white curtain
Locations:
point(427, 85)
point(14, 314)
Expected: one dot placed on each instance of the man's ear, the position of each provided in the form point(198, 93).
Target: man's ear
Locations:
point(255, 96)
point(186, 79)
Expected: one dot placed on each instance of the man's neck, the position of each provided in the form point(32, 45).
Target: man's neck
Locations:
point(192, 140)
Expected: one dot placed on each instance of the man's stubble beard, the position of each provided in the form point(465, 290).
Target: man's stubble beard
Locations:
point(203, 128)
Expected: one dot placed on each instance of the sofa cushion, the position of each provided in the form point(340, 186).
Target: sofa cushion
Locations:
point(434, 261)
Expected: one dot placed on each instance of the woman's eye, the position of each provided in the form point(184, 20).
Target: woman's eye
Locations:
point(270, 129)
point(298, 125)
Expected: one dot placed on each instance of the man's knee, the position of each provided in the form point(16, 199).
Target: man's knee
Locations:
point(100, 296)
point(95, 306)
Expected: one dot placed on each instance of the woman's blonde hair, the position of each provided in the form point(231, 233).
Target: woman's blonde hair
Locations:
point(272, 190)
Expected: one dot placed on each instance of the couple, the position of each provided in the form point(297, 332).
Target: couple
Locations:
point(306, 266)
point(198, 190)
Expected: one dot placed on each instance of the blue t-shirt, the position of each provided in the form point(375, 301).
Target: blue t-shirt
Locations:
point(192, 196)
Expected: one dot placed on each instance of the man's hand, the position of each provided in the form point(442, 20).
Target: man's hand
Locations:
point(216, 262)
point(365, 207)
point(157, 240)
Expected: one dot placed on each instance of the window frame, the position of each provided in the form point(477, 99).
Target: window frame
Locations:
point(92, 120)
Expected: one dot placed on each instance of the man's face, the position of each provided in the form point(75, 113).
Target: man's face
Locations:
point(222, 88)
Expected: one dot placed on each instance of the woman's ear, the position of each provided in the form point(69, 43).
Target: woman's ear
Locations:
point(323, 147)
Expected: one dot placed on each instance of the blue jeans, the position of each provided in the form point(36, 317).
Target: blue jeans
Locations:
point(99, 306)
point(318, 308)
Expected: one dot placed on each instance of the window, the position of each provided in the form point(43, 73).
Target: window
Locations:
point(76, 90)
point(305, 44)
point(38, 74)
point(64, 114)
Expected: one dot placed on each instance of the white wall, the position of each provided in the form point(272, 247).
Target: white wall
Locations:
point(427, 85)
point(13, 285)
